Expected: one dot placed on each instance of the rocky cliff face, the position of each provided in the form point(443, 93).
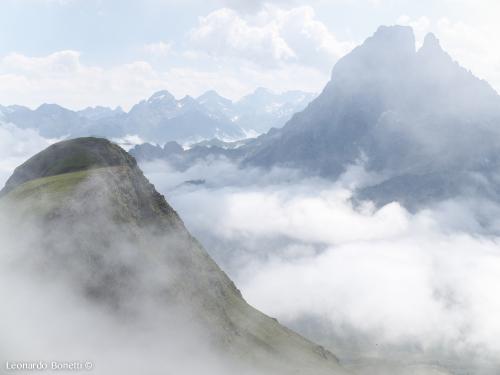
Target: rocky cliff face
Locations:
point(409, 115)
point(89, 221)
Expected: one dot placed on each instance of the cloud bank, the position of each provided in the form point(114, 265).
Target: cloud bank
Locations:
point(224, 50)
point(365, 282)
point(379, 283)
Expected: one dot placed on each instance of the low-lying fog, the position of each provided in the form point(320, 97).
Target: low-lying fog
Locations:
point(363, 281)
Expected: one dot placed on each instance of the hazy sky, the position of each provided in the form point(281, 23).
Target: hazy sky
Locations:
point(116, 52)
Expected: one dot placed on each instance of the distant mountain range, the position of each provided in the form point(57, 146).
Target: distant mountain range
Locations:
point(163, 118)
point(428, 128)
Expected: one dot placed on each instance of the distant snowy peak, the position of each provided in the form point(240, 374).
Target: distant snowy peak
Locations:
point(189, 103)
point(262, 97)
point(165, 104)
point(162, 117)
point(211, 97)
point(263, 109)
point(161, 96)
point(258, 111)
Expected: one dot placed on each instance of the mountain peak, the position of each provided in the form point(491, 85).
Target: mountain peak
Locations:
point(431, 40)
point(187, 99)
point(162, 95)
point(261, 91)
point(397, 36)
point(260, 94)
point(70, 156)
point(431, 45)
point(389, 50)
point(212, 96)
point(49, 107)
point(209, 94)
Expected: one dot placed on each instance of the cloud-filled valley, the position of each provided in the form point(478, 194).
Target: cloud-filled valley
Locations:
point(349, 230)
point(383, 282)
point(377, 283)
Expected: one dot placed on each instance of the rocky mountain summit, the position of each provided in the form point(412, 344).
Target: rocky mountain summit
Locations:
point(416, 118)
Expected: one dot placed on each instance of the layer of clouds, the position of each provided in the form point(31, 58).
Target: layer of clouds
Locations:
point(361, 280)
point(364, 281)
point(230, 52)
point(64, 79)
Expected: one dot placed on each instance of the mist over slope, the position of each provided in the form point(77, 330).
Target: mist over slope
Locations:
point(116, 279)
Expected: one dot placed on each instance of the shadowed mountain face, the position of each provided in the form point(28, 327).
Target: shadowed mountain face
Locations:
point(88, 221)
point(427, 126)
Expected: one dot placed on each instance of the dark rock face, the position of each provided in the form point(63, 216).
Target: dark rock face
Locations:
point(406, 113)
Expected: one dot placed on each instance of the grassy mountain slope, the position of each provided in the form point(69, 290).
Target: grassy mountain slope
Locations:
point(111, 238)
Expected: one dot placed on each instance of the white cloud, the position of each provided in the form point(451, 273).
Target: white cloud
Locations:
point(225, 33)
point(354, 277)
point(271, 38)
point(428, 289)
point(63, 78)
point(61, 62)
